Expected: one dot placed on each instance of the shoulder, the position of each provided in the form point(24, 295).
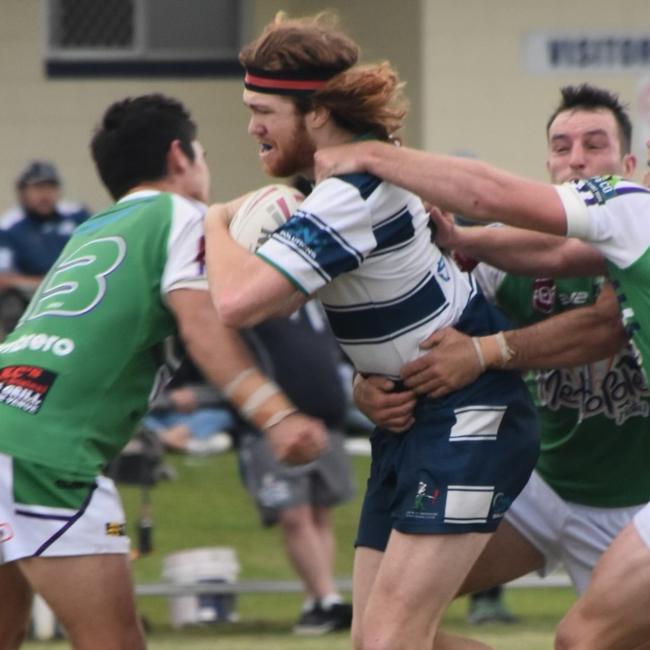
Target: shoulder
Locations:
point(364, 183)
point(187, 209)
point(11, 218)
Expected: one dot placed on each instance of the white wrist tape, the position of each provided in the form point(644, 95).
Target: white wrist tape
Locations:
point(506, 351)
point(258, 398)
point(230, 388)
point(479, 352)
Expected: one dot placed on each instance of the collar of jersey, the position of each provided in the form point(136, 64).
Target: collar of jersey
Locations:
point(140, 194)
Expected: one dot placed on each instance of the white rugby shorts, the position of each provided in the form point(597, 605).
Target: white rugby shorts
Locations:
point(565, 533)
point(44, 524)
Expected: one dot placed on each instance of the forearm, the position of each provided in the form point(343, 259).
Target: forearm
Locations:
point(26, 283)
point(575, 337)
point(467, 186)
point(224, 360)
point(522, 252)
point(244, 289)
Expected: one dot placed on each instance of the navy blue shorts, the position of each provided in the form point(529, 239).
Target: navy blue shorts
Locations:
point(458, 468)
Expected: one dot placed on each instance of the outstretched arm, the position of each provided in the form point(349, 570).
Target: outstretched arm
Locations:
point(468, 187)
point(578, 336)
point(519, 251)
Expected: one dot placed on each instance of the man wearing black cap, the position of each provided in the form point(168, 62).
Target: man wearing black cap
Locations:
point(33, 233)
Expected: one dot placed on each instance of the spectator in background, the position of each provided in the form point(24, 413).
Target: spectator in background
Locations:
point(191, 415)
point(302, 356)
point(32, 234)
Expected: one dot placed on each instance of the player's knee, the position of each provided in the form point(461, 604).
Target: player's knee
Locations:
point(568, 634)
point(294, 519)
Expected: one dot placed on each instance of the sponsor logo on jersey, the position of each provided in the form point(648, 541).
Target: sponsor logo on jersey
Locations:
point(6, 532)
point(442, 270)
point(614, 388)
point(25, 387)
point(423, 502)
point(61, 347)
point(115, 529)
point(603, 188)
point(544, 295)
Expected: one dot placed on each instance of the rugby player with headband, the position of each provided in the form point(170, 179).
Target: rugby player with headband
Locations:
point(438, 491)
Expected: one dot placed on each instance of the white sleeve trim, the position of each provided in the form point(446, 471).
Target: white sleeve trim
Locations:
point(577, 216)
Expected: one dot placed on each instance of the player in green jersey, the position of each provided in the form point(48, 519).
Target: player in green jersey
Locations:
point(77, 372)
point(587, 485)
point(613, 216)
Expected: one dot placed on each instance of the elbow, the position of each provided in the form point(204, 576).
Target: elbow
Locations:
point(232, 310)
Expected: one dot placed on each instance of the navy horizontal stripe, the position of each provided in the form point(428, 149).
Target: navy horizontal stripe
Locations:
point(394, 231)
point(370, 322)
point(365, 183)
point(320, 243)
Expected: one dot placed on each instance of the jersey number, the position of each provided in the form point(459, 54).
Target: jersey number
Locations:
point(77, 284)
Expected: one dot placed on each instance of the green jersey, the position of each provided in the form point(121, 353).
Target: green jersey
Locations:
point(77, 372)
point(594, 424)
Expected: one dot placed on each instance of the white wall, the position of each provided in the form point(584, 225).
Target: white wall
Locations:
point(476, 93)
point(54, 118)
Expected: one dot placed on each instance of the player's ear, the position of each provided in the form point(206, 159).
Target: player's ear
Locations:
point(318, 117)
point(177, 159)
point(629, 165)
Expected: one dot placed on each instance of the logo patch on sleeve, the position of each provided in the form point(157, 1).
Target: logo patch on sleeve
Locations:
point(25, 387)
point(603, 188)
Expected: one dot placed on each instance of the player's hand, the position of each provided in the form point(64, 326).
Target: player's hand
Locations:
point(392, 411)
point(444, 227)
point(297, 439)
point(450, 364)
point(183, 399)
point(342, 159)
point(223, 213)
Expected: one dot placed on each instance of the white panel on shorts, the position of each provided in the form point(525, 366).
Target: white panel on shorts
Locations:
point(468, 504)
point(642, 524)
point(477, 423)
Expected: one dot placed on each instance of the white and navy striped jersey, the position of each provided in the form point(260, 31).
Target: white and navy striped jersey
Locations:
point(363, 246)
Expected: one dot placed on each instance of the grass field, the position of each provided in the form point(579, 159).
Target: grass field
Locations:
point(206, 506)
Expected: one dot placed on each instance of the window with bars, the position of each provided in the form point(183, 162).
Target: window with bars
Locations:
point(121, 37)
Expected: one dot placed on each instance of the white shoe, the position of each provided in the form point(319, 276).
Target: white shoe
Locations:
point(215, 444)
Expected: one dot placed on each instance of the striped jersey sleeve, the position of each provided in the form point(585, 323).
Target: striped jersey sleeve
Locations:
point(329, 235)
point(364, 247)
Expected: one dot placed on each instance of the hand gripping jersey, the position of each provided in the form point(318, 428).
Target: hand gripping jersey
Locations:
point(77, 372)
point(594, 418)
point(365, 248)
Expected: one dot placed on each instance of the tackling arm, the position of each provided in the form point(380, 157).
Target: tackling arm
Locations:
point(245, 289)
point(468, 187)
point(225, 361)
point(578, 336)
point(519, 251)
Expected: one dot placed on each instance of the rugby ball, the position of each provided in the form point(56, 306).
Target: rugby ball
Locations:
point(263, 212)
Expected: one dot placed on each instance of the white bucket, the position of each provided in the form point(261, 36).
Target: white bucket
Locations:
point(202, 565)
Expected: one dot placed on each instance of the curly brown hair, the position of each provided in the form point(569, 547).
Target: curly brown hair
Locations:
point(361, 98)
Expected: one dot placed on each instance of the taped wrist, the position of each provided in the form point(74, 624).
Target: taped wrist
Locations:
point(495, 350)
point(260, 400)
